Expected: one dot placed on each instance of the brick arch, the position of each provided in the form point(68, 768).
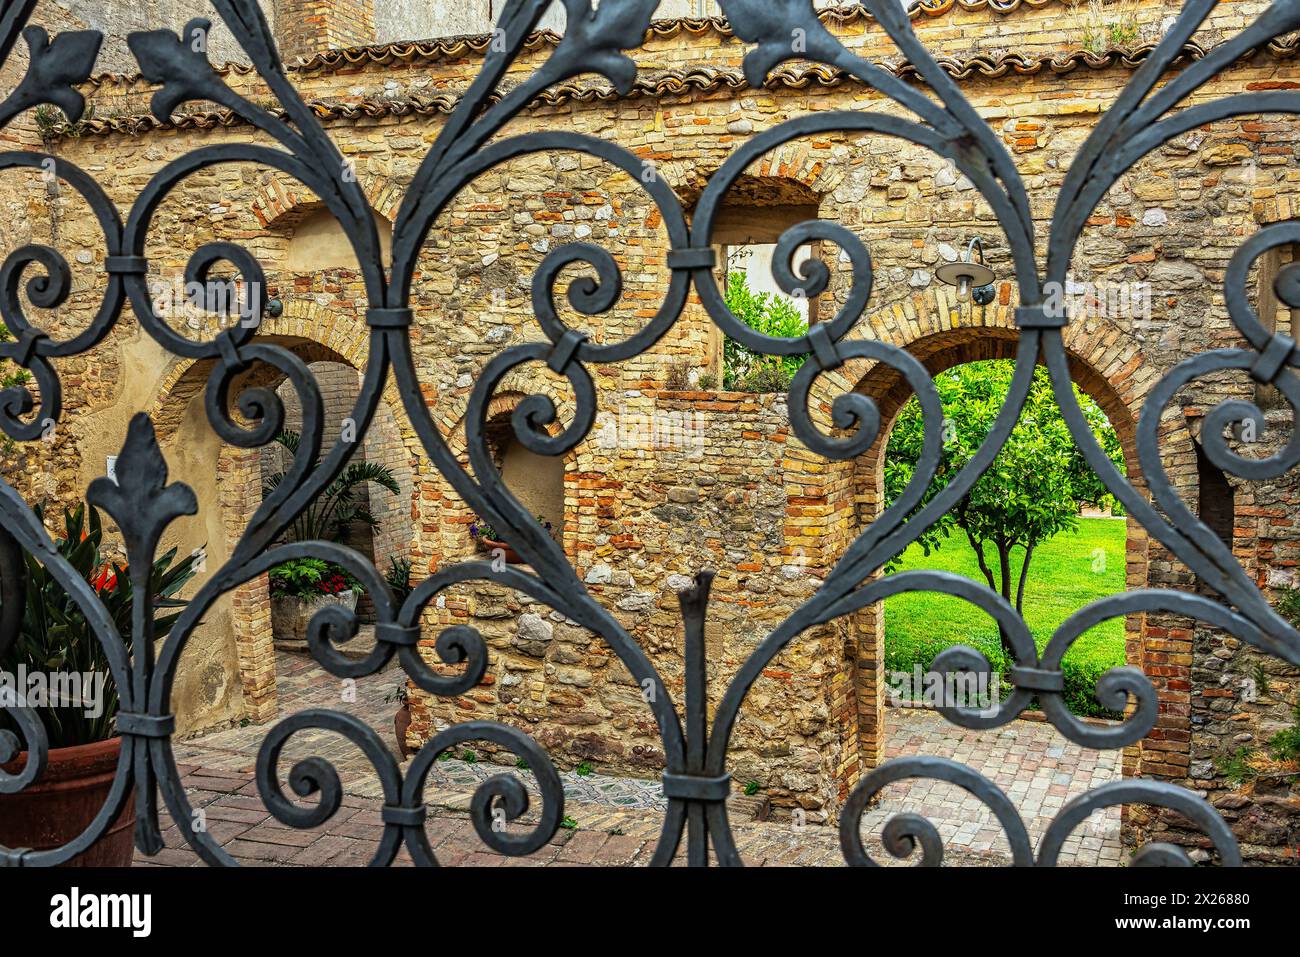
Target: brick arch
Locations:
point(1111, 372)
point(799, 162)
point(501, 406)
point(282, 201)
point(305, 327)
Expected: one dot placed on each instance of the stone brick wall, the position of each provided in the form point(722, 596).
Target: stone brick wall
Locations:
point(640, 522)
point(764, 512)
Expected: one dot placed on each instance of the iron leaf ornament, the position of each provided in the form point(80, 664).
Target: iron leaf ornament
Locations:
point(180, 64)
point(596, 37)
point(783, 30)
point(54, 70)
point(140, 499)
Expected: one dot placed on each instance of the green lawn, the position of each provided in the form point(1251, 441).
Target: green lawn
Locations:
point(1064, 576)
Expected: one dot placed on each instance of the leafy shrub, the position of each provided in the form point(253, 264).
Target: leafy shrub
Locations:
point(399, 578)
point(343, 505)
point(1081, 672)
point(766, 378)
point(770, 315)
point(55, 635)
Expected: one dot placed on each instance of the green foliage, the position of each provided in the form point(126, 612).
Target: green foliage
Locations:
point(919, 625)
point(1285, 745)
point(53, 124)
point(1036, 486)
point(297, 578)
point(1236, 767)
point(1260, 677)
point(771, 315)
point(569, 824)
point(1288, 603)
point(399, 578)
point(1081, 673)
point(482, 531)
point(584, 769)
point(11, 376)
point(308, 578)
point(55, 636)
point(751, 788)
point(342, 506)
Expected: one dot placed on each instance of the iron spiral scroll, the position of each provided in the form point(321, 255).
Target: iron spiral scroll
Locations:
point(696, 782)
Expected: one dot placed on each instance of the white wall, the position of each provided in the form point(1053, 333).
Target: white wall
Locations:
point(422, 19)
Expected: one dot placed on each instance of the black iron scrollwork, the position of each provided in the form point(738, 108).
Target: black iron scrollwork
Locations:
point(696, 780)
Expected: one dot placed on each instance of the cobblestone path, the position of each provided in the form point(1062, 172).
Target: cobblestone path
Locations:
point(617, 820)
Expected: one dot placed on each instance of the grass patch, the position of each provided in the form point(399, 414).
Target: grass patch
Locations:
point(1067, 573)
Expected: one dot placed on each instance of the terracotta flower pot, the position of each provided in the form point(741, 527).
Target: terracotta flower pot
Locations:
point(490, 546)
point(62, 802)
point(402, 724)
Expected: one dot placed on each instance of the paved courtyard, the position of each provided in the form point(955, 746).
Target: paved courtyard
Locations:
point(617, 820)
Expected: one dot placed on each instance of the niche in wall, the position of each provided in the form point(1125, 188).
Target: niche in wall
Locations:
point(318, 242)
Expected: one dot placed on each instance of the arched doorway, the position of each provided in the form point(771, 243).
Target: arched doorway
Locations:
point(939, 352)
point(237, 489)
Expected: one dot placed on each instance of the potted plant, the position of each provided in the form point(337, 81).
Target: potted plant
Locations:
point(300, 588)
point(487, 539)
point(399, 578)
point(84, 746)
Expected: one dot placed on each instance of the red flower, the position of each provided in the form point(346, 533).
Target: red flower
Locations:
point(106, 580)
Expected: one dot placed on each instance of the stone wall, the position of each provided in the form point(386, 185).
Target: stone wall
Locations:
point(725, 489)
point(765, 513)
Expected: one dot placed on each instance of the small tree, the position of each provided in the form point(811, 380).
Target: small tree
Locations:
point(1035, 488)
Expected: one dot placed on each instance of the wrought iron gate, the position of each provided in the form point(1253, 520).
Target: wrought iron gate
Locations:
point(696, 781)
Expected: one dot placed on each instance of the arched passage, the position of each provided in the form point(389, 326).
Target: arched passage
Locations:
point(938, 352)
point(336, 359)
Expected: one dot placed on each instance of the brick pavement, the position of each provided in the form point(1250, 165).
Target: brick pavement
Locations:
point(618, 820)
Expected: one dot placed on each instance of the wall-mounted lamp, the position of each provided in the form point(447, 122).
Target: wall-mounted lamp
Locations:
point(974, 280)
